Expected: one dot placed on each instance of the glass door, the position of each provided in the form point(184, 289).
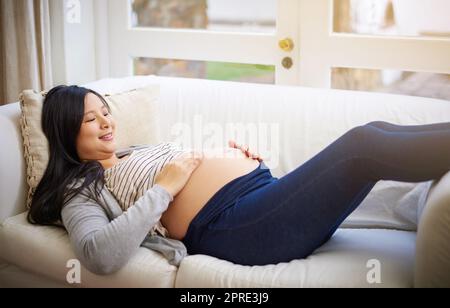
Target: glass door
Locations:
point(240, 40)
point(287, 42)
point(330, 46)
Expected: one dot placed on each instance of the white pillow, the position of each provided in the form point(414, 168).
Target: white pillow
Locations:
point(392, 205)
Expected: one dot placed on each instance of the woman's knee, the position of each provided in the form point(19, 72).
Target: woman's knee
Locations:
point(379, 124)
point(364, 142)
point(362, 134)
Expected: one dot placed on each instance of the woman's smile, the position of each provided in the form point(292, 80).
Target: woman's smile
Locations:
point(108, 137)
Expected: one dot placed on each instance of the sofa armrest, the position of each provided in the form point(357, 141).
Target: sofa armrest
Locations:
point(432, 266)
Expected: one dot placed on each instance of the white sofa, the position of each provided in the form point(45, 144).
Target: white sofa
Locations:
point(408, 250)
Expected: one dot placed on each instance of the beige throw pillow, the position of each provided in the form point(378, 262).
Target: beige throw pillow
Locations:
point(135, 113)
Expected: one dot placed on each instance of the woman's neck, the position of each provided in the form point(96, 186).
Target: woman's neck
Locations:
point(110, 162)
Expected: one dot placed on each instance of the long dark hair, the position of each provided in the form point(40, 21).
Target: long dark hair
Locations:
point(62, 117)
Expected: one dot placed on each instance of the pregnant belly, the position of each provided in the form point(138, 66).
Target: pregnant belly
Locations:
point(216, 170)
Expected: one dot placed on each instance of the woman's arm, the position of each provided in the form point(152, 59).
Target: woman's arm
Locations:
point(103, 247)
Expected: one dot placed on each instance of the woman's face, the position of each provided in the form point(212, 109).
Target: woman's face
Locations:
point(97, 122)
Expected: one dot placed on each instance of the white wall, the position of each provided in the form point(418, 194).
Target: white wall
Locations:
point(73, 41)
point(57, 42)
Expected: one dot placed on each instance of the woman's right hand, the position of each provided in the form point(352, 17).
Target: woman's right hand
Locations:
point(175, 174)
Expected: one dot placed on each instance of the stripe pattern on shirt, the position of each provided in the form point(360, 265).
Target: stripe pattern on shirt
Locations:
point(129, 179)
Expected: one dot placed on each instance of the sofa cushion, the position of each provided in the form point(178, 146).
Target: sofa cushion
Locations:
point(12, 276)
point(135, 112)
point(13, 184)
point(432, 266)
point(344, 261)
point(46, 250)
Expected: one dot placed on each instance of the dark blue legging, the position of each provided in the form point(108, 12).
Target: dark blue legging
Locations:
point(288, 218)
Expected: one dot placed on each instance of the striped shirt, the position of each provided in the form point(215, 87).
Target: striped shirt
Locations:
point(130, 178)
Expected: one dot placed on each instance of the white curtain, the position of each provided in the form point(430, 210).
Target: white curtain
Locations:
point(25, 56)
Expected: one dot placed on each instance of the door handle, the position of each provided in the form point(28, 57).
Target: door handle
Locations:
point(286, 44)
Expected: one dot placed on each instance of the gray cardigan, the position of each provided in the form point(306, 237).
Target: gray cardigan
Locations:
point(104, 237)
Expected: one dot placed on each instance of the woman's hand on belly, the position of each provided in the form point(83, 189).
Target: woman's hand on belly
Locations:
point(174, 176)
point(218, 167)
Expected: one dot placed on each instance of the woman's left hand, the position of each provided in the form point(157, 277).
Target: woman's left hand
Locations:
point(245, 150)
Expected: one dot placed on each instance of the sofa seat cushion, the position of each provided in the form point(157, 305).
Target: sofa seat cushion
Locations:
point(12, 276)
point(341, 262)
point(46, 250)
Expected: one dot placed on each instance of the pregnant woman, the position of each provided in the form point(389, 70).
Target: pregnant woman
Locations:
point(228, 206)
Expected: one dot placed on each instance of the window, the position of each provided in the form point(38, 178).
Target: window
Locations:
point(213, 15)
point(243, 39)
point(205, 70)
point(393, 17)
point(392, 81)
point(406, 31)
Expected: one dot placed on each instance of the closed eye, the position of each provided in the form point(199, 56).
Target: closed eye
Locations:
point(107, 114)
